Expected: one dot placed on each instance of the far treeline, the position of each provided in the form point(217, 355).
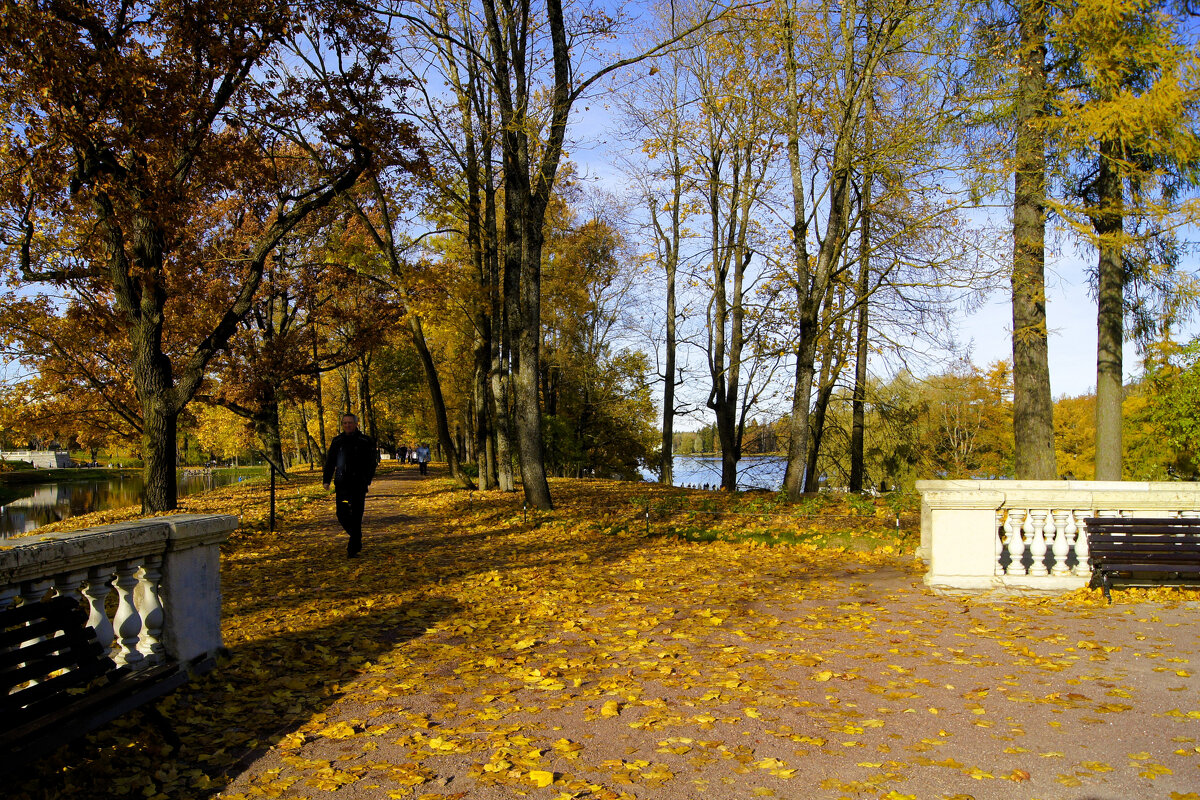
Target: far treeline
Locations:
point(224, 223)
point(958, 424)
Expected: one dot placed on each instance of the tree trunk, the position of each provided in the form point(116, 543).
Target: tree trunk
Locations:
point(1033, 408)
point(481, 428)
point(670, 243)
point(1108, 221)
point(434, 384)
point(859, 406)
point(347, 403)
point(364, 395)
point(159, 424)
point(825, 383)
point(266, 427)
point(323, 443)
point(858, 412)
point(527, 335)
point(504, 451)
point(504, 300)
point(501, 342)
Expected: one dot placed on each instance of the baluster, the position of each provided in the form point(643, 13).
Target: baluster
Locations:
point(1061, 548)
point(999, 541)
point(1016, 541)
point(150, 605)
point(1077, 542)
point(128, 622)
point(1037, 543)
point(70, 584)
point(35, 591)
point(1084, 567)
point(96, 593)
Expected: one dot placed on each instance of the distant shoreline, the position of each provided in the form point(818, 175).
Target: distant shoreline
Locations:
point(22, 476)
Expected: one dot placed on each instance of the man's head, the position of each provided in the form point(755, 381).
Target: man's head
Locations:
point(349, 423)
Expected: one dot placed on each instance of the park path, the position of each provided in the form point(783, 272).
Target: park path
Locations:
point(556, 663)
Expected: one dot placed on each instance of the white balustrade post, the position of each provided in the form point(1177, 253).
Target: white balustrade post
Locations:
point(962, 538)
point(1083, 558)
point(1016, 540)
point(150, 608)
point(190, 590)
point(128, 622)
point(1000, 534)
point(1037, 543)
point(96, 593)
point(1061, 547)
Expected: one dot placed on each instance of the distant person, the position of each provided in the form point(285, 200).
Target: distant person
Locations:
point(350, 464)
point(403, 454)
point(423, 458)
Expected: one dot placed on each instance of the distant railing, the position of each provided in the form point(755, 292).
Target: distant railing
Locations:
point(1029, 536)
point(40, 459)
point(165, 572)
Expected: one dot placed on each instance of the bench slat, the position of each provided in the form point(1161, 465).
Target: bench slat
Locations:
point(40, 667)
point(1149, 553)
point(36, 698)
point(75, 642)
point(17, 635)
point(24, 614)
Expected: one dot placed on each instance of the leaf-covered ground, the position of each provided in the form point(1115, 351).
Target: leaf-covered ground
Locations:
point(599, 651)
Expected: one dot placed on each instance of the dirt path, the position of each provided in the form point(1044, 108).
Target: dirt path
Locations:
point(569, 663)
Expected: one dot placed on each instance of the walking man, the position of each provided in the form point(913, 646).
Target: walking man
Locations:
point(423, 458)
point(350, 464)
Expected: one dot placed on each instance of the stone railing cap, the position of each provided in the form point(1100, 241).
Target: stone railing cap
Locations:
point(33, 557)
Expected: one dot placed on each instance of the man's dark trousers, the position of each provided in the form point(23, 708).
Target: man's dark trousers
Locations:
point(351, 498)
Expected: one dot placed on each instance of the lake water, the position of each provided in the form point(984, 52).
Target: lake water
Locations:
point(43, 503)
point(754, 472)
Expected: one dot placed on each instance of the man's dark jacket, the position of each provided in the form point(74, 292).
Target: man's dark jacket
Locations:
point(355, 452)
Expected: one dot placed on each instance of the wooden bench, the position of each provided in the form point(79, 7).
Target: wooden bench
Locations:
point(1167, 547)
point(57, 681)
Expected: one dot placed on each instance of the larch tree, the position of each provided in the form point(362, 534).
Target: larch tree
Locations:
point(1129, 114)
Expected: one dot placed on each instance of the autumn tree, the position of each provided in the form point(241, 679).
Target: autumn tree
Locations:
point(1128, 113)
point(656, 112)
point(277, 351)
point(136, 134)
point(597, 402)
point(844, 68)
point(535, 63)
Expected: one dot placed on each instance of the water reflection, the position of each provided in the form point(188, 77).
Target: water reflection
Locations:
point(754, 472)
point(40, 504)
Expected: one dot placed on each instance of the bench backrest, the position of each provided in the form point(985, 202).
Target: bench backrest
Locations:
point(46, 648)
point(1166, 543)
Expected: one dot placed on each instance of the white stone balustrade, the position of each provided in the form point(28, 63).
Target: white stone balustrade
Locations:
point(164, 572)
point(1029, 536)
